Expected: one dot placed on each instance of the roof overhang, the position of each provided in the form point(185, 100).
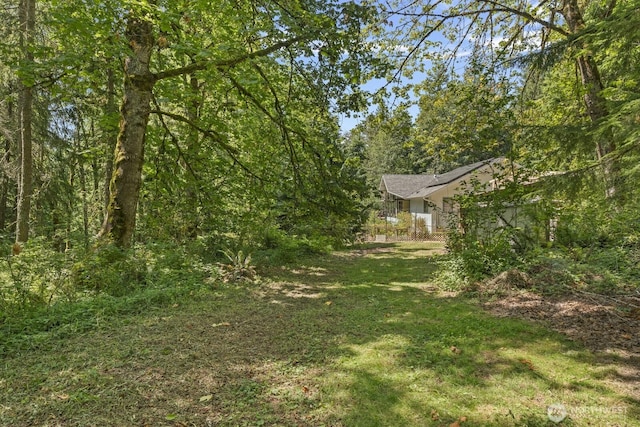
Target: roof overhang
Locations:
point(424, 192)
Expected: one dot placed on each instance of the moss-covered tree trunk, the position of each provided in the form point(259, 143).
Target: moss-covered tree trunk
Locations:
point(120, 219)
point(110, 138)
point(4, 186)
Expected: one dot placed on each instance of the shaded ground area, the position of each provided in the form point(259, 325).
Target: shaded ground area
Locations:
point(360, 338)
point(608, 326)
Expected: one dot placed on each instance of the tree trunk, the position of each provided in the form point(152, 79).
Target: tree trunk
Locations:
point(593, 99)
point(25, 185)
point(4, 191)
point(7, 130)
point(110, 137)
point(124, 189)
point(193, 148)
point(85, 204)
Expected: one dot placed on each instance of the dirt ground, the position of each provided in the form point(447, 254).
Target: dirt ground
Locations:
point(608, 326)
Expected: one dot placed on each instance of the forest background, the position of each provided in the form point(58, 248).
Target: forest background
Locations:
point(146, 137)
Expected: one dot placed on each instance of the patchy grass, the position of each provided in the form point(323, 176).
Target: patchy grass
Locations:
point(358, 338)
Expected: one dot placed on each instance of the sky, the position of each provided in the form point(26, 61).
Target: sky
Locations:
point(434, 43)
point(348, 123)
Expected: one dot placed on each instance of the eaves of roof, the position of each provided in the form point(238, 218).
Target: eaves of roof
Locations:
point(419, 186)
point(424, 192)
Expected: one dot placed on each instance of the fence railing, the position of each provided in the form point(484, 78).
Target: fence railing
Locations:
point(406, 236)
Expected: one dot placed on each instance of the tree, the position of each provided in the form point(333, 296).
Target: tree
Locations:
point(290, 32)
point(7, 137)
point(26, 12)
point(464, 119)
point(503, 30)
point(119, 223)
point(384, 145)
point(221, 105)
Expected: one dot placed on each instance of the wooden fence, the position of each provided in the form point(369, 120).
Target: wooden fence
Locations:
point(406, 236)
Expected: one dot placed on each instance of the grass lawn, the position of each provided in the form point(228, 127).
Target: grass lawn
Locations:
point(358, 338)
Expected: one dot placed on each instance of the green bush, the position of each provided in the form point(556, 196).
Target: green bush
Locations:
point(281, 248)
point(62, 292)
point(602, 241)
point(35, 277)
point(472, 258)
point(109, 269)
point(496, 232)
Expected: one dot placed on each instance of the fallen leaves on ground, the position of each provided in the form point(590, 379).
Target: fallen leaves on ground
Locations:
point(528, 364)
point(598, 322)
point(601, 323)
point(458, 422)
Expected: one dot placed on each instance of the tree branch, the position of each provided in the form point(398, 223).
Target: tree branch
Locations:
point(177, 145)
point(274, 119)
point(226, 63)
point(498, 7)
point(231, 151)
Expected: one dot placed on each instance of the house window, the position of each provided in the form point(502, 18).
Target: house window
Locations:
point(403, 205)
point(447, 205)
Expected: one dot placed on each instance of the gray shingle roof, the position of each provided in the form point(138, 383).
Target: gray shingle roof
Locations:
point(415, 186)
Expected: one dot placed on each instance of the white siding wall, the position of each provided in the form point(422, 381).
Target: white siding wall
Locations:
point(428, 220)
point(483, 175)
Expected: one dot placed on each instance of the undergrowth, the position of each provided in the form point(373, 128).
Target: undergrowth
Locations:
point(279, 248)
point(593, 249)
point(555, 269)
point(48, 294)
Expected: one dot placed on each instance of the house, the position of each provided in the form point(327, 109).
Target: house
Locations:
point(430, 197)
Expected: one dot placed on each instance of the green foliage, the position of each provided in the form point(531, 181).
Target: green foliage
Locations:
point(590, 245)
point(110, 270)
point(237, 140)
point(41, 278)
point(498, 230)
point(383, 144)
point(464, 119)
point(405, 220)
point(472, 260)
point(280, 248)
point(325, 203)
point(34, 278)
point(602, 244)
point(376, 225)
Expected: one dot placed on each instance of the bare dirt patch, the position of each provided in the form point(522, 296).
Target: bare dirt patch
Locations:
point(608, 326)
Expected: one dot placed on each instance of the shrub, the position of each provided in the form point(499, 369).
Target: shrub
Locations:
point(109, 269)
point(495, 232)
point(239, 268)
point(281, 248)
point(34, 277)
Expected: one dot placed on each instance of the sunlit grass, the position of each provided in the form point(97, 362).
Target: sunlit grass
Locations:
point(353, 339)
